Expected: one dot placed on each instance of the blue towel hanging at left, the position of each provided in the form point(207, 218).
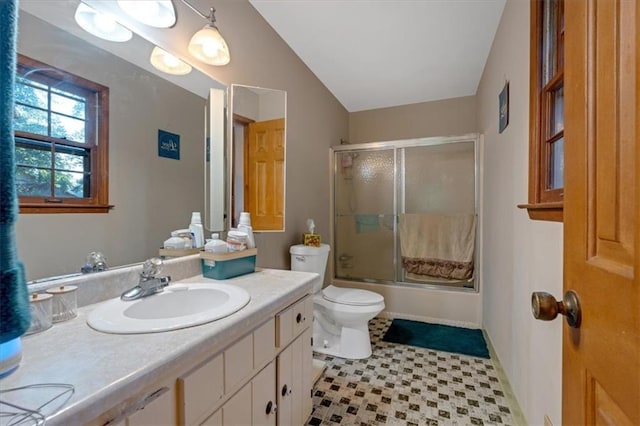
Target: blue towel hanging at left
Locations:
point(367, 223)
point(15, 316)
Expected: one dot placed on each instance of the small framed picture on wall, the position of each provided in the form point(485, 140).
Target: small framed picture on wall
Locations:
point(503, 108)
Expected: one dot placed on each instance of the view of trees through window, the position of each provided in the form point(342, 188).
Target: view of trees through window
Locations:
point(51, 128)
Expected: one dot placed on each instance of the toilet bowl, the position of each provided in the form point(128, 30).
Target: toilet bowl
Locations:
point(340, 315)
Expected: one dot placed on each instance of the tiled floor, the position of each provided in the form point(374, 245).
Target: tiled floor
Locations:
point(406, 385)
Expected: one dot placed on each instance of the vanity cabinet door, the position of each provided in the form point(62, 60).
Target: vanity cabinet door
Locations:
point(264, 343)
point(295, 381)
point(161, 411)
point(236, 411)
point(263, 393)
point(201, 389)
point(238, 363)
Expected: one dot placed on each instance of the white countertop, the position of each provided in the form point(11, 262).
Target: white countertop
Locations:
point(107, 368)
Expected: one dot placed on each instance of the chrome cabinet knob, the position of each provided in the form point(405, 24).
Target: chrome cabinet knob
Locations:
point(545, 307)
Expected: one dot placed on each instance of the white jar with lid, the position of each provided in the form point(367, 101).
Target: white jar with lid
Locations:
point(41, 312)
point(236, 240)
point(65, 302)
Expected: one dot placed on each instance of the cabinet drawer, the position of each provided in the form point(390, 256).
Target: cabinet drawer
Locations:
point(264, 343)
point(201, 389)
point(238, 363)
point(293, 320)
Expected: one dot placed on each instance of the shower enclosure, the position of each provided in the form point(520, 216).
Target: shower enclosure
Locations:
point(375, 185)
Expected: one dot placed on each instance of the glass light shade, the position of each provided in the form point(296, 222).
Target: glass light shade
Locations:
point(155, 13)
point(166, 62)
point(101, 25)
point(208, 46)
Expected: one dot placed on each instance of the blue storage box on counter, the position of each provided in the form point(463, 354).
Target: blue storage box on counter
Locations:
point(221, 266)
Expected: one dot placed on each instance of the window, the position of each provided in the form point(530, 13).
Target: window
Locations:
point(546, 134)
point(61, 141)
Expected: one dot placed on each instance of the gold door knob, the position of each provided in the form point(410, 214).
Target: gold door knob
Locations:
point(545, 307)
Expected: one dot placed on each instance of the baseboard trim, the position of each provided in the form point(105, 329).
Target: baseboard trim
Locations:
point(392, 315)
point(516, 412)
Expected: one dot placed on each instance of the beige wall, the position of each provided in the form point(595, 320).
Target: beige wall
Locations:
point(520, 255)
point(448, 117)
point(143, 185)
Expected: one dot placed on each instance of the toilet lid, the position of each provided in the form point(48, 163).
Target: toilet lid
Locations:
point(351, 296)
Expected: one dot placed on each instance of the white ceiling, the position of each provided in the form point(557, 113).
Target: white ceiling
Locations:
point(382, 53)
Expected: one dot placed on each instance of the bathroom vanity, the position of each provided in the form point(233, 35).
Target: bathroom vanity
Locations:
point(252, 367)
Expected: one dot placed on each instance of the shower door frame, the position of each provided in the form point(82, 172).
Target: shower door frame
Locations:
point(398, 192)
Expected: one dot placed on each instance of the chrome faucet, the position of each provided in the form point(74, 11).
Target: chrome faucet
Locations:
point(148, 283)
point(95, 262)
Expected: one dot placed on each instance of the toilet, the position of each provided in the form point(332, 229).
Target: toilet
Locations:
point(340, 315)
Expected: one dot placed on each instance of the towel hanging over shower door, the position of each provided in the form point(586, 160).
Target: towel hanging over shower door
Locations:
point(438, 245)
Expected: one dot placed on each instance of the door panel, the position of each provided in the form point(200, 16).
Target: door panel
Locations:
point(601, 359)
point(264, 182)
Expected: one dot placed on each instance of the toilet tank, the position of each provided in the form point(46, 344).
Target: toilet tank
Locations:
point(310, 259)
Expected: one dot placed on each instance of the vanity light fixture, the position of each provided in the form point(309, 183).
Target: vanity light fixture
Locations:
point(166, 62)
point(208, 45)
point(155, 13)
point(101, 25)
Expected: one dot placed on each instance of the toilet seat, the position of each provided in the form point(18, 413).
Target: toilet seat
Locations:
point(351, 296)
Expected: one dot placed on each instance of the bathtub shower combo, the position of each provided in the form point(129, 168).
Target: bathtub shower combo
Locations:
point(406, 212)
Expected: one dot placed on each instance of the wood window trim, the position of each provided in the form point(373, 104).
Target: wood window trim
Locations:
point(99, 202)
point(539, 206)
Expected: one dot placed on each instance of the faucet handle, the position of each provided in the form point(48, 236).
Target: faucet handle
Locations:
point(151, 267)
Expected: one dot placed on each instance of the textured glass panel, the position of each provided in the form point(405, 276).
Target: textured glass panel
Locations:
point(440, 178)
point(27, 119)
point(70, 162)
point(67, 128)
point(33, 157)
point(69, 184)
point(33, 182)
point(556, 116)
point(556, 169)
point(364, 222)
point(68, 106)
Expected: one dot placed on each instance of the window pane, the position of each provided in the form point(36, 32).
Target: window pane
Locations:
point(69, 184)
point(30, 95)
point(67, 106)
point(70, 162)
point(550, 23)
point(30, 120)
point(556, 115)
point(33, 157)
point(33, 182)
point(556, 165)
point(67, 128)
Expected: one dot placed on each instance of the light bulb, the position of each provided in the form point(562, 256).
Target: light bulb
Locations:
point(211, 47)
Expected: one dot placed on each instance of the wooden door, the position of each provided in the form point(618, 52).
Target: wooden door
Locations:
point(264, 179)
point(601, 359)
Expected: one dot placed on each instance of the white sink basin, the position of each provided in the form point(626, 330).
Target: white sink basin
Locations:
point(178, 306)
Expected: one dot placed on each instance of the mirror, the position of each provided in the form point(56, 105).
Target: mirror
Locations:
point(152, 195)
point(258, 151)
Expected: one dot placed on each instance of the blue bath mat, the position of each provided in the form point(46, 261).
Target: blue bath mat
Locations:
point(465, 341)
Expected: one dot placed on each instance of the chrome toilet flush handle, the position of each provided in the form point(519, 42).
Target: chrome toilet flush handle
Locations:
point(301, 258)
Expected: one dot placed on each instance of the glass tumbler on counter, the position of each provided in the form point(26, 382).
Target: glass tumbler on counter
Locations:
point(65, 302)
point(41, 317)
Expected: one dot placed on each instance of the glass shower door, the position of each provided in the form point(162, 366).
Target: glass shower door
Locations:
point(437, 180)
point(364, 222)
